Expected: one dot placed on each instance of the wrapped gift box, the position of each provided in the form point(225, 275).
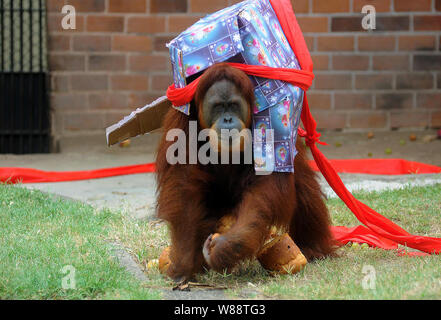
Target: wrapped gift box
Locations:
point(249, 33)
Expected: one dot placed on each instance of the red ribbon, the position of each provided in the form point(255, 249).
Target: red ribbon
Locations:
point(380, 231)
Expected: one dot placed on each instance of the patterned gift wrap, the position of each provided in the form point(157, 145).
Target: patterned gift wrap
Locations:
point(249, 33)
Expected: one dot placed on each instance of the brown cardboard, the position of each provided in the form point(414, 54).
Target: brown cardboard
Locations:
point(142, 120)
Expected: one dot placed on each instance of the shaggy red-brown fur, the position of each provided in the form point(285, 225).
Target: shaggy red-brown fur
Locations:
point(192, 199)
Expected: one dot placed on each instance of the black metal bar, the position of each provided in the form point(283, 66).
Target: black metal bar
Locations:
point(11, 102)
point(40, 37)
point(31, 103)
point(20, 107)
point(2, 78)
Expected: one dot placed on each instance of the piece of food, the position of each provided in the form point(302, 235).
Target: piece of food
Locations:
point(164, 260)
point(125, 143)
point(282, 255)
point(370, 135)
point(412, 137)
point(154, 263)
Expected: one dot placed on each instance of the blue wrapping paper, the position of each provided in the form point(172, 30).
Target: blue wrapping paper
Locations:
point(248, 32)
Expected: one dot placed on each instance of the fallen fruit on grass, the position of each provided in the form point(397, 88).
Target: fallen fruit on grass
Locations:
point(412, 137)
point(388, 151)
point(429, 138)
point(154, 263)
point(355, 245)
point(164, 260)
point(365, 246)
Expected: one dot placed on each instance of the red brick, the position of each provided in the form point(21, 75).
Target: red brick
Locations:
point(329, 119)
point(60, 83)
point(108, 100)
point(380, 5)
point(69, 101)
point(130, 82)
point(415, 81)
point(310, 43)
point(429, 100)
point(131, 43)
point(320, 101)
point(387, 101)
point(105, 23)
point(161, 82)
point(412, 5)
point(82, 6)
point(391, 62)
point(427, 62)
point(101, 62)
point(59, 42)
point(423, 23)
point(91, 43)
point(180, 23)
point(207, 6)
point(368, 120)
point(333, 81)
point(300, 6)
point(321, 62)
point(335, 43)
point(313, 24)
point(435, 119)
point(416, 43)
point(164, 6)
point(373, 81)
point(350, 62)
point(84, 121)
point(127, 6)
point(54, 5)
point(353, 101)
point(376, 43)
point(438, 5)
point(160, 41)
point(88, 82)
point(329, 6)
point(149, 24)
point(415, 119)
point(140, 99)
point(143, 63)
point(67, 62)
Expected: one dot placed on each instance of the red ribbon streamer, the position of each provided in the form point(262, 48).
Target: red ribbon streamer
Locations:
point(366, 166)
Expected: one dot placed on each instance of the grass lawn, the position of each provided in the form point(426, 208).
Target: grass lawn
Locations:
point(41, 234)
point(43, 239)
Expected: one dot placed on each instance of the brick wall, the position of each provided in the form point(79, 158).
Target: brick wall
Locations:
point(116, 60)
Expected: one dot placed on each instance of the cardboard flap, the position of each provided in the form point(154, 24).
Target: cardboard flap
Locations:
point(141, 121)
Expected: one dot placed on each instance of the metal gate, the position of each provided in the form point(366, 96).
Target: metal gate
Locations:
point(24, 106)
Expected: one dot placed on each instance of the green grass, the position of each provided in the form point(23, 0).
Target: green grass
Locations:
point(418, 210)
point(41, 234)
